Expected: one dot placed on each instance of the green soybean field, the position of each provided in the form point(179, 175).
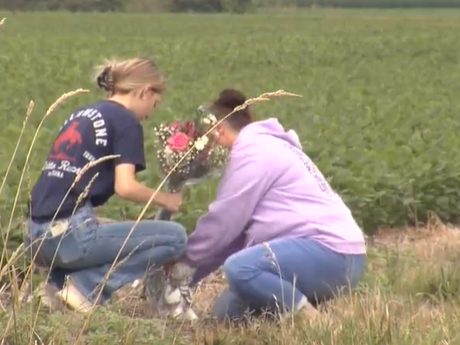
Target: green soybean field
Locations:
point(379, 115)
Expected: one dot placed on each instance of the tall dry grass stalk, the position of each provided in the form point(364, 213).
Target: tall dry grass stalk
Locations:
point(14, 286)
point(85, 193)
point(262, 98)
point(29, 271)
point(53, 107)
point(59, 101)
point(81, 197)
point(85, 169)
point(30, 109)
point(2, 22)
point(77, 179)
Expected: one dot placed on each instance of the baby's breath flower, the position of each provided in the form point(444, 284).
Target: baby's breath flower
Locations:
point(201, 143)
point(168, 151)
point(210, 119)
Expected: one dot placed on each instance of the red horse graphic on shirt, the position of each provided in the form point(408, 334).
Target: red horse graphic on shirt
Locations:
point(65, 141)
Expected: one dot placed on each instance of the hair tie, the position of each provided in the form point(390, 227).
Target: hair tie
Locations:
point(103, 79)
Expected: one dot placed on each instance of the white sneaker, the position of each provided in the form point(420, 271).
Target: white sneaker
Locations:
point(307, 311)
point(74, 299)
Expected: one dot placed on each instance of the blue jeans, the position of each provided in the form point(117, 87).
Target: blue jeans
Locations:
point(279, 275)
point(86, 251)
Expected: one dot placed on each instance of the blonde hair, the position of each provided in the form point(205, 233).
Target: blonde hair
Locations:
point(130, 75)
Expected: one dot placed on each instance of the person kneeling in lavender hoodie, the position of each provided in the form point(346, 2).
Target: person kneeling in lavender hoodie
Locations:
point(285, 239)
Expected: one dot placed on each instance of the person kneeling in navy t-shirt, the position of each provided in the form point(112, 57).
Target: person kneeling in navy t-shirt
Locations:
point(63, 232)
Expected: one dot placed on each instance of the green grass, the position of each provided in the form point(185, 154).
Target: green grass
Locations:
point(379, 116)
point(409, 296)
point(379, 113)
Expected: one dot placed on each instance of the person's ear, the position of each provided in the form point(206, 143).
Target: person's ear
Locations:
point(143, 93)
point(220, 130)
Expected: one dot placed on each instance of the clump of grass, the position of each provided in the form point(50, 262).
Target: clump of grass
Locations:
point(445, 284)
point(383, 310)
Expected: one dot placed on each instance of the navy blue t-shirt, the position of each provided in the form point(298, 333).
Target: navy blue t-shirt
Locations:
point(98, 130)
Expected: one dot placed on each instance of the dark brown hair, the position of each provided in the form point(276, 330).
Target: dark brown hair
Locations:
point(228, 100)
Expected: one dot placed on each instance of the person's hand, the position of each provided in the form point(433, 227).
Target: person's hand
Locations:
point(172, 201)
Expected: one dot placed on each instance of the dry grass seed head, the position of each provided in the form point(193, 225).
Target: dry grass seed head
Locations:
point(91, 165)
point(262, 98)
point(279, 93)
point(85, 192)
point(80, 174)
point(30, 108)
point(63, 98)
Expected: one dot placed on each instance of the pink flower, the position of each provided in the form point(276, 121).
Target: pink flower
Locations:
point(178, 142)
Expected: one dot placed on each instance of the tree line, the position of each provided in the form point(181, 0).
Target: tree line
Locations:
point(209, 6)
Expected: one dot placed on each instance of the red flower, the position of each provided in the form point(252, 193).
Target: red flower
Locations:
point(175, 126)
point(189, 129)
point(178, 142)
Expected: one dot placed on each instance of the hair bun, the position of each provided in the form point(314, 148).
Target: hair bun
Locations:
point(103, 80)
point(231, 98)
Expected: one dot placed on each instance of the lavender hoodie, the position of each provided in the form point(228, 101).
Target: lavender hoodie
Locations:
point(270, 190)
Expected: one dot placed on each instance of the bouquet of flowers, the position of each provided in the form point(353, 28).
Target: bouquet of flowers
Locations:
point(191, 156)
point(184, 149)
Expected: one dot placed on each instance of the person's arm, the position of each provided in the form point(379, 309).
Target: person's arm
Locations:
point(129, 145)
point(244, 184)
point(206, 269)
point(128, 188)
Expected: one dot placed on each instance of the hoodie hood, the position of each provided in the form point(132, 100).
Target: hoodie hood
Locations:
point(273, 128)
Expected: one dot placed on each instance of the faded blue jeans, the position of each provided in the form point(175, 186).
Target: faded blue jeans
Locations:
point(86, 251)
point(279, 275)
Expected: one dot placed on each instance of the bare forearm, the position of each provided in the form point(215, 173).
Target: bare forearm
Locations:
point(138, 193)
